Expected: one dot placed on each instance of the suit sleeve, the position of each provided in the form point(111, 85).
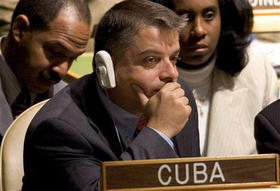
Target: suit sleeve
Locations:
point(59, 157)
point(267, 129)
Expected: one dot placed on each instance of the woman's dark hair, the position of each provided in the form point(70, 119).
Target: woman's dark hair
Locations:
point(236, 26)
point(42, 12)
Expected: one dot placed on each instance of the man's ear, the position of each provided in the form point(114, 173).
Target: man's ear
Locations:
point(21, 26)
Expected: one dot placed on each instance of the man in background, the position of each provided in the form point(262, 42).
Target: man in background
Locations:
point(6, 11)
point(86, 124)
point(44, 38)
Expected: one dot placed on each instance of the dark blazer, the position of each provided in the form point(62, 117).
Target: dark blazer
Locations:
point(73, 133)
point(267, 129)
point(6, 117)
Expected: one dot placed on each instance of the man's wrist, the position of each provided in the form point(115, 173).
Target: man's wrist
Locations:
point(166, 138)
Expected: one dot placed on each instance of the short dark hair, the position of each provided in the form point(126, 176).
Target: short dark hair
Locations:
point(236, 26)
point(118, 26)
point(42, 12)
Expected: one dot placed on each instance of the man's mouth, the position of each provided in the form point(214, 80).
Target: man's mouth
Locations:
point(50, 77)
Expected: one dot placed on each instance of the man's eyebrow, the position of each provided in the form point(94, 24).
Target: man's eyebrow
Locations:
point(152, 51)
point(149, 51)
point(56, 44)
point(62, 48)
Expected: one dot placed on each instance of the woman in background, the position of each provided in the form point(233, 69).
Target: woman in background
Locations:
point(230, 84)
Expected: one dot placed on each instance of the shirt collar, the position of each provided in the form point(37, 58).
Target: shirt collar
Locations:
point(124, 121)
point(11, 86)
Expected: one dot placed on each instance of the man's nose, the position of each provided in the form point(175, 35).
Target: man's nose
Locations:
point(62, 68)
point(169, 72)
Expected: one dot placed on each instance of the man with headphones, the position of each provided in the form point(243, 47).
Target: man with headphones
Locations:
point(95, 119)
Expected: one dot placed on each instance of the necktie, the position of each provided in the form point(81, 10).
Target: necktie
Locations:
point(21, 103)
point(142, 122)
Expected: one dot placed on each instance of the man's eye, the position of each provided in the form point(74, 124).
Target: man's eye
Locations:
point(151, 60)
point(175, 59)
point(53, 53)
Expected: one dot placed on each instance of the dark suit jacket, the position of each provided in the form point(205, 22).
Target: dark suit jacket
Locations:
point(267, 129)
point(73, 133)
point(6, 117)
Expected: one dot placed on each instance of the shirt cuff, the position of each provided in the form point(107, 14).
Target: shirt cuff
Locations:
point(167, 139)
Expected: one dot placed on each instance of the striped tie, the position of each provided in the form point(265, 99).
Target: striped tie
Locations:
point(21, 103)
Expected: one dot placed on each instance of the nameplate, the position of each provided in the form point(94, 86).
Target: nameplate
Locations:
point(191, 173)
point(265, 4)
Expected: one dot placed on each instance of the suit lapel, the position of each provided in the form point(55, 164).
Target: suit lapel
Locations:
point(100, 118)
point(6, 117)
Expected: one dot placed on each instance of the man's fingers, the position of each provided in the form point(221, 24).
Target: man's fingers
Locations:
point(142, 97)
point(179, 92)
point(171, 86)
point(184, 100)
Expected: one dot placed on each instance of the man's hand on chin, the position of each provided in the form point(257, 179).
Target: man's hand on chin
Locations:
point(167, 111)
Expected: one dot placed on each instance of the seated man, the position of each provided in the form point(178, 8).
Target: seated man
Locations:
point(44, 38)
point(85, 124)
point(267, 129)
